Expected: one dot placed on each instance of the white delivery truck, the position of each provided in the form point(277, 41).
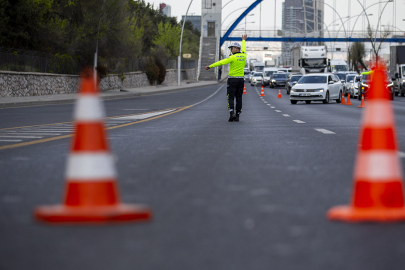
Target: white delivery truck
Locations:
point(397, 68)
point(337, 65)
point(257, 66)
point(309, 59)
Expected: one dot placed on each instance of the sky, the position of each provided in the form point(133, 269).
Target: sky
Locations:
point(265, 14)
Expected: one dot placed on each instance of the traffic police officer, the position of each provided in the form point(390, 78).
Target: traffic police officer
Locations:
point(236, 77)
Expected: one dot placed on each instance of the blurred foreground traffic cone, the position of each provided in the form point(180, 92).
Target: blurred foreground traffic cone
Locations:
point(279, 94)
point(348, 100)
point(362, 104)
point(343, 99)
point(91, 189)
point(262, 92)
point(244, 89)
point(378, 190)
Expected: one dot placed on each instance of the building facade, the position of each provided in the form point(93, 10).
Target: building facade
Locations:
point(211, 13)
point(301, 18)
point(165, 9)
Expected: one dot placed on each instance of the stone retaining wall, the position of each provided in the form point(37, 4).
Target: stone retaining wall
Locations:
point(17, 84)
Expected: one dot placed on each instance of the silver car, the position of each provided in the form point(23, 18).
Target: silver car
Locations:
point(256, 78)
point(251, 75)
point(348, 90)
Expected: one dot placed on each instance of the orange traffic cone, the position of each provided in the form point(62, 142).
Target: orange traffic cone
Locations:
point(279, 94)
point(244, 90)
point(91, 190)
point(362, 104)
point(348, 100)
point(262, 92)
point(343, 99)
point(378, 190)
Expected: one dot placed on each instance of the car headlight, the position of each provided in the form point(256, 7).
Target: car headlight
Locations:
point(318, 90)
point(273, 80)
point(292, 90)
point(403, 80)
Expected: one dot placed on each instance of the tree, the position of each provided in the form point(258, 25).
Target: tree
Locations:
point(372, 35)
point(357, 53)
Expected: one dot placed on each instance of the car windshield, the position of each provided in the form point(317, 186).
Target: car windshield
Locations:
point(251, 73)
point(259, 68)
point(339, 67)
point(358, 78)
point(278, 76)
point(341, 76)
point(312, 79)
point(268, 73)
point(259, 74)
point(349, 78)
point(295, 78)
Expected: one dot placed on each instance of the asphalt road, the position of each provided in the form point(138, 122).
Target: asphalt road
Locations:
point(245, 195)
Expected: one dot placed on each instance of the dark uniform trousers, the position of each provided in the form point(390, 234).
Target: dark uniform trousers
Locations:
point(235, 90)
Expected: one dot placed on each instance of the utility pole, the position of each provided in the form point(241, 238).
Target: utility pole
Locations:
point(181, 39)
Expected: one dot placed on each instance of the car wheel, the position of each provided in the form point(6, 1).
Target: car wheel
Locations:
point(307, 101)
point(271, 86)
point(402, 94)
point(339, 100)
point(396, 94)
point(293, 101)
point(326, 100)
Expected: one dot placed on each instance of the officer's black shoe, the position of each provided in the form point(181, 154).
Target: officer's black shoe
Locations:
point(231, 117)
point(236, 119)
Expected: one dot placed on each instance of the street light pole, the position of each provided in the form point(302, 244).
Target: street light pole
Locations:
point(181, 39)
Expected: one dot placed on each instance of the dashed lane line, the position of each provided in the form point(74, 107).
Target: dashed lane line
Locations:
point(277, 110)
point(10, 140)
point(324, 131)
point(286, 115)
point(401, 154)
point(272, 107)
point(299, 121)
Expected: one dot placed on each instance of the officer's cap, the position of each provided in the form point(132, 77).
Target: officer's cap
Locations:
point(235, 44)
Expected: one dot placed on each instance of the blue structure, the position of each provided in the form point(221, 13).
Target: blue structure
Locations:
point(295, 39)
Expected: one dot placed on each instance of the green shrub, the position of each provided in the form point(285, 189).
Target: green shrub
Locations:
point(152, 71)
point(162, 71)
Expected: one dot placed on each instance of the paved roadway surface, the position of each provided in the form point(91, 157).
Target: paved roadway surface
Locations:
point(247, 195)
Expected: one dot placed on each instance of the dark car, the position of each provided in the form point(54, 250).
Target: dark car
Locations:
point(365, 85)
point(278, 79)
point(292, 79)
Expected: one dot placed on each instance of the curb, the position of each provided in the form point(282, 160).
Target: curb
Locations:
point(112, 97)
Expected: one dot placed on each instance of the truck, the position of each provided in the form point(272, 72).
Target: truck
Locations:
point(270, 63)
point(397, 69)
point(336, 65)
point(309, 59)
point(251, 60)
point(257, 66)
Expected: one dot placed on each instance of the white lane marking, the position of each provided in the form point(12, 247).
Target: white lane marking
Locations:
point(10, 140)
point(299, 121)
point(268, 104)
point(265, 101)
point(401, 154)
point(207, 97)
point(142, 116)
point(134, 109)
point(278, 111)
point(23, 137)
point(272, 107)
point(324, 131)
point(286, 115)
point(30, 134)
point(46, 130)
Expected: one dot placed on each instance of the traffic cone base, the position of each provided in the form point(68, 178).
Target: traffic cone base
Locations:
point(351, 214)
point(362, 104)
point(262, 92)
point(348, 100)
point(244, 90)
point(279, 94)
point(99, 214)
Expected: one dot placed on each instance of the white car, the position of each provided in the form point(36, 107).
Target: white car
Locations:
point(354, 86)
point(251, 76)
point(256, 79)
point(317, 87)
point(347, 85)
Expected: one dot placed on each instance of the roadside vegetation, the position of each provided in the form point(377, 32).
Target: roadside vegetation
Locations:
point(129, 33)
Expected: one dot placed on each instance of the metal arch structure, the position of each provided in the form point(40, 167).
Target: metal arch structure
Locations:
point(318, 39)
point(296, 39)
point(238, 20)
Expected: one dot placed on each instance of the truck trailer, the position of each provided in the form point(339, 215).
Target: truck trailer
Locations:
point(309, 59)
point(397, 68)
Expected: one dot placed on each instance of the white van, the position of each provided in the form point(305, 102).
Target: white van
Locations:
point(337, 65)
